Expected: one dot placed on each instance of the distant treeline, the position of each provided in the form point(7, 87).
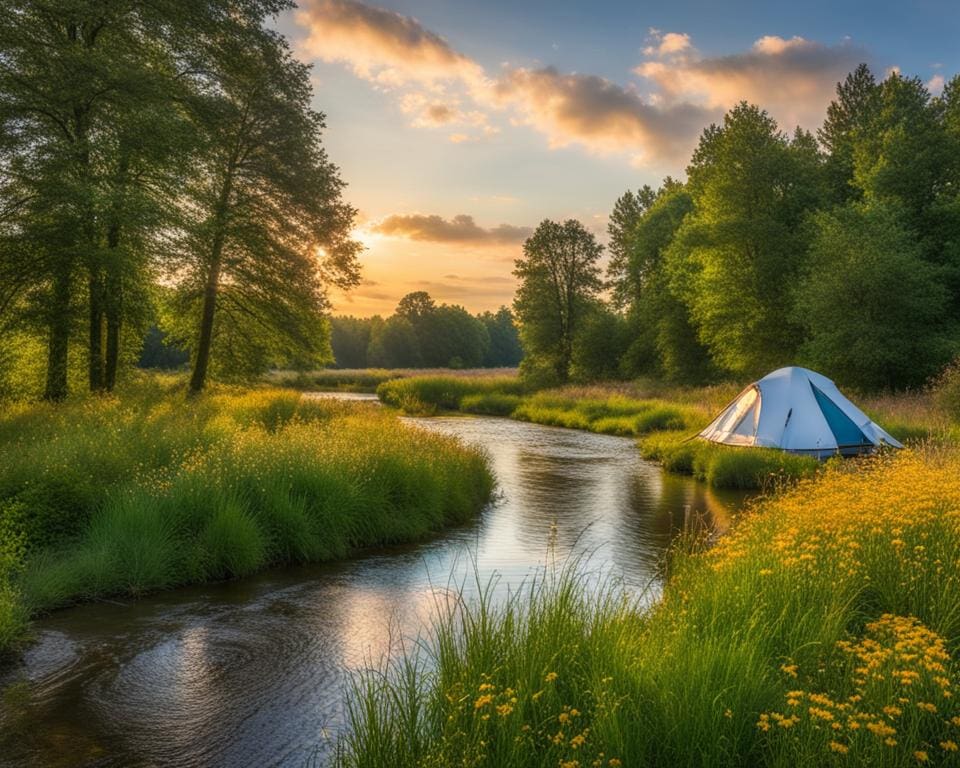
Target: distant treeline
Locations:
point(423, 334)
point(840, 251)
point(161, 164)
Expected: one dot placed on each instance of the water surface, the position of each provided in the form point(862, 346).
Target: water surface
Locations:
point(253, 672)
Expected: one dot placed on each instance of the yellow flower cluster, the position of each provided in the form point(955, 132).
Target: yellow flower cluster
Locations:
point(897, 667)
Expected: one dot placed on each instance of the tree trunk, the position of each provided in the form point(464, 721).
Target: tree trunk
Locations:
point(198, 379)
point(114, 313)
point(212, 285)
point(95, 283)
point(58, 345)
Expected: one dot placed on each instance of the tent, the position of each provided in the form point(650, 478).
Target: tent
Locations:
point(800, 411)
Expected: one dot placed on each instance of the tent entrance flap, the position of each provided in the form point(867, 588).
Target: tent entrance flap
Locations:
point(844, 430)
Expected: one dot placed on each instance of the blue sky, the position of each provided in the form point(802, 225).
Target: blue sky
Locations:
point(459, 126)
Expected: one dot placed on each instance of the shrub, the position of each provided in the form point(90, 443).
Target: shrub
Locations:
point(428, 394)
point(490, 404)
point(946, 389)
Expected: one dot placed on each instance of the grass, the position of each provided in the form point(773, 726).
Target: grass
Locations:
point(822, 631)
point(148, 490)
point(433, 394)
point(368, 379)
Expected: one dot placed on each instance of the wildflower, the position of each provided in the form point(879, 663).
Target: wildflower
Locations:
point(789, 669)
point(504, 709)
point(577, 741)
point(921, 756)
point(486, 687)
point(482, 701)
point(948, 746)
point(614, 763)
point(836, 746)
point(551, 676)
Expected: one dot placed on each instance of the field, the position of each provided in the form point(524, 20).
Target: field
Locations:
point(149, 490)
point(368, 379)
point(822, 631)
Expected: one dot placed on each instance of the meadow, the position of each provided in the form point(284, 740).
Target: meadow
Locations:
point(150, 490)
point(823, 630)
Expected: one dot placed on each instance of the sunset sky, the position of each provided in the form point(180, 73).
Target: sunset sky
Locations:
point(459, 126)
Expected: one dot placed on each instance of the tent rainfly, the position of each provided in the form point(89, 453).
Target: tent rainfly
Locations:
point(799, 411)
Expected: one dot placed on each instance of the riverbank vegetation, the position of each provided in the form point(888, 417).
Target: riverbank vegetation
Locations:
point(821, 631)
point(149, 490)
point(665, 418)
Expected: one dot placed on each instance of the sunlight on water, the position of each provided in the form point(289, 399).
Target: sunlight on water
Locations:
point(253, 672)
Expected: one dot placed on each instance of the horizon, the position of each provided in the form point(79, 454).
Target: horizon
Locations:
point(459, 128)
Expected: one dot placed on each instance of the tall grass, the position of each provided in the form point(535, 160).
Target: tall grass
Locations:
point(368, 379)
point(723, 466)
point(149, 490)
point(822, 631)
point(430, 394)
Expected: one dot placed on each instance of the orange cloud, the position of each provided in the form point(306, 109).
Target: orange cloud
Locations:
point(598, 114)
point(460, 229)
point(381, 45)
point(793, 78)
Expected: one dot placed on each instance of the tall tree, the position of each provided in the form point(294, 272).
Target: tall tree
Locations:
point(849, 116)
point(752, 189)
point(559, 281)
point(627, 210)
point(873, 309)
point(504, 349)
point(271, 230)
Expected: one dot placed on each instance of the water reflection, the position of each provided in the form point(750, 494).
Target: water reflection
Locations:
point(252, 673)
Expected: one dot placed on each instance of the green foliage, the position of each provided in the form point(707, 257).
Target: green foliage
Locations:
point(394, 344)
point(504, 350)
point(751, 188)
point(173, 492)
point(873, 309)
point(599, 345)
point(349, 339)
point(490, 403)
point(722, 466)
point(559, 282)
point(428, 394)
point(946, 390)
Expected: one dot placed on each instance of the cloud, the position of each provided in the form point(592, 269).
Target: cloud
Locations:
point(599, 114)
point(666, 44)
point(793, 78)
point(935, 84)
point(460, 229)
point(438, 86)
point(381, 45)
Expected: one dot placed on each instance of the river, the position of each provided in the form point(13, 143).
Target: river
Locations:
point(255, 672)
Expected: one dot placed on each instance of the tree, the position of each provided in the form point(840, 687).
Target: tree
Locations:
point(872, 307)
point(504, 350)
point(271, 229)
point(393, 344)
point(599, 345)
point(350, 338)
point(849, 116)
point(416, 306)
point(559, 280)
point(451, 337)
point(752, 189)
point(627, 210)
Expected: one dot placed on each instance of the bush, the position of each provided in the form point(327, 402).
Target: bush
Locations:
point(724, 466)
point(490, 404)
point(946, 390)
point(429, 394)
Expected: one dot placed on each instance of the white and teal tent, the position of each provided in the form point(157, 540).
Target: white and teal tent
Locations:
point(800, 411)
